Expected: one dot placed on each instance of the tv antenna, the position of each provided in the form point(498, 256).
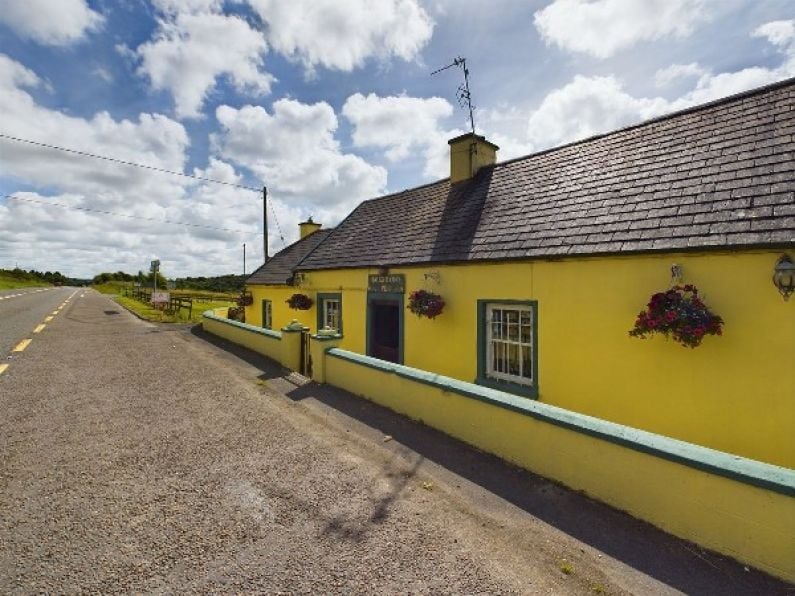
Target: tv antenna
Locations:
point(463, 95)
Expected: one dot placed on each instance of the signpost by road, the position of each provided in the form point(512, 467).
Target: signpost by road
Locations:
point(160, 298)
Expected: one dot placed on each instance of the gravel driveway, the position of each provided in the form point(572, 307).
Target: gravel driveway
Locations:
point(141, 458)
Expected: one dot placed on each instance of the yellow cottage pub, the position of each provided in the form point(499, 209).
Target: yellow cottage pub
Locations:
point(613, 313)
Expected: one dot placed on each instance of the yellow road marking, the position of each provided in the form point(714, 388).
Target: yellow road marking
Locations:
point(3, 368)
point(55, 312)
point(20, 347)
point(48, 319)
point(39, 328)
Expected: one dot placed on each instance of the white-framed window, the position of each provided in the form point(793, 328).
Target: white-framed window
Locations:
point(267, 314)
point(507, 350)
point(329, 311)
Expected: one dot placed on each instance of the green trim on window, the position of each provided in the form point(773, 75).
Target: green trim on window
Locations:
point(482, 379)
point(265, 302)
point(327, 296)
point(395, 297)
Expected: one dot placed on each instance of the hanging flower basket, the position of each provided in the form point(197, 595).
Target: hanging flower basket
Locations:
point(425, 304)
point(299, 302)
point(245, 299)
point(680, 314)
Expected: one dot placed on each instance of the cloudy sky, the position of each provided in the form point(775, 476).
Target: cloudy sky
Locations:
point(327, 102)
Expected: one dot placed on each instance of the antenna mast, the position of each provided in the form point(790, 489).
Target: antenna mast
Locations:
point(463, 95)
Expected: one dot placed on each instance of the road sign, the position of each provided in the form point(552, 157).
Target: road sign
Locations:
point(160, 297)
point(154, 266)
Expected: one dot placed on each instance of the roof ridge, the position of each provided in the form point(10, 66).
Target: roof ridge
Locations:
point(329, 233)
point(661, 118)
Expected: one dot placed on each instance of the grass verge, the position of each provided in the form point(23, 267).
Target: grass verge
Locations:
point(9, 282)
point(147, 312)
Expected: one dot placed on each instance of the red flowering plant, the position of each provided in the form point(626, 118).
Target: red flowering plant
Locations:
point(299, 302)
point(425, 304)
point(678, 313)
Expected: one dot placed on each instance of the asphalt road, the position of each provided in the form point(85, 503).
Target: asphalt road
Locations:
point(144, 458)
point(21, 311)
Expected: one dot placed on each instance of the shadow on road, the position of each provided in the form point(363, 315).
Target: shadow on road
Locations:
point(670, 560)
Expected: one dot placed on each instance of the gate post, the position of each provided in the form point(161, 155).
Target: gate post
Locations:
point(291, 345)
point(318, 345)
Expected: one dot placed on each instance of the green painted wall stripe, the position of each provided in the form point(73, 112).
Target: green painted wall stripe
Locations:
point(755, 473)
point(266, 332)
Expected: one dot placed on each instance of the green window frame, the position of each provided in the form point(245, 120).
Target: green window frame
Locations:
point(326, 302)
point(507, 348)
point(267, 314)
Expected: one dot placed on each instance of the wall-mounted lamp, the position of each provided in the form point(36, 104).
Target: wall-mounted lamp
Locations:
point(784, 276)
point(299, 279)
point(676, 273)
point(435, 276)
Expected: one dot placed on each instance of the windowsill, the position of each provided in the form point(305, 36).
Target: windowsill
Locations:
point(530, 391)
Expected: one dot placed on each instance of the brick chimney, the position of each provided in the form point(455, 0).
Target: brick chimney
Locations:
point(469, 153)
point(308, 227)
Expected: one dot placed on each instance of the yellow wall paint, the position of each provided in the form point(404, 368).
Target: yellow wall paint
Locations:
point(734, 393)
point(748, 523)
point(262, 344)
point(281, 314)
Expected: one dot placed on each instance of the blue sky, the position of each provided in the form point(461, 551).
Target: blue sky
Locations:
point(327, 102)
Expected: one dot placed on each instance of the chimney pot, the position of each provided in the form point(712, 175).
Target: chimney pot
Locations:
point(469, 153)
point(308, 227)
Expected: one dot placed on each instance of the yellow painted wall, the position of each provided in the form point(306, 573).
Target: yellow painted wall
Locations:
point(262, 344)
point(734, 393)
point(751, 524)
point(281, 314)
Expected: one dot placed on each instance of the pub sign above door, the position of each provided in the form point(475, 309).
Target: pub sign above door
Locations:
point(387, 283)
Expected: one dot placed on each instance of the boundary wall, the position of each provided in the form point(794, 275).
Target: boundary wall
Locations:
point(736, 506)
point(282, 346)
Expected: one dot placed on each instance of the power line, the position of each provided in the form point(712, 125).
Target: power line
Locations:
point(145, 167)
point(128, 163)
point(126, 215)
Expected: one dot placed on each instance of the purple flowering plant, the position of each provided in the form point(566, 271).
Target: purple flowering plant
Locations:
point(425, 304)
point(299, 302)
point(678, 313)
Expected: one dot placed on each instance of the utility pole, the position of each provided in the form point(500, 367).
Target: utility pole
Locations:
point(244, 259)
point(264, 224)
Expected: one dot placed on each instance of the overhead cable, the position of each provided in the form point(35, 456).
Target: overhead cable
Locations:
point(127, 215)
point(128, 163)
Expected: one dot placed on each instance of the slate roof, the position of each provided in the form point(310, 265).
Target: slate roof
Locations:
point(279, 269)
point(716, 176)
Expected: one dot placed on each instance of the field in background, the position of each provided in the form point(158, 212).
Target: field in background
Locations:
point(15, 279)
point(146, 311)
point(112, 287)
point(202, 297)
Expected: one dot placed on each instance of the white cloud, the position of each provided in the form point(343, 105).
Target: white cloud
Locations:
point(709, 87)
point(604, 27)
point(592, 105)
point(676, 72)
point(584, 107)
point(50, 22)
point(780, 33)
point(192, 49)
point(403, 126)
point(343, 34)
point(175, 7)
point(83, 243)
point(293, 150)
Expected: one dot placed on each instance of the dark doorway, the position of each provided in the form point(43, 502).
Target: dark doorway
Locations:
point(385, 322)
